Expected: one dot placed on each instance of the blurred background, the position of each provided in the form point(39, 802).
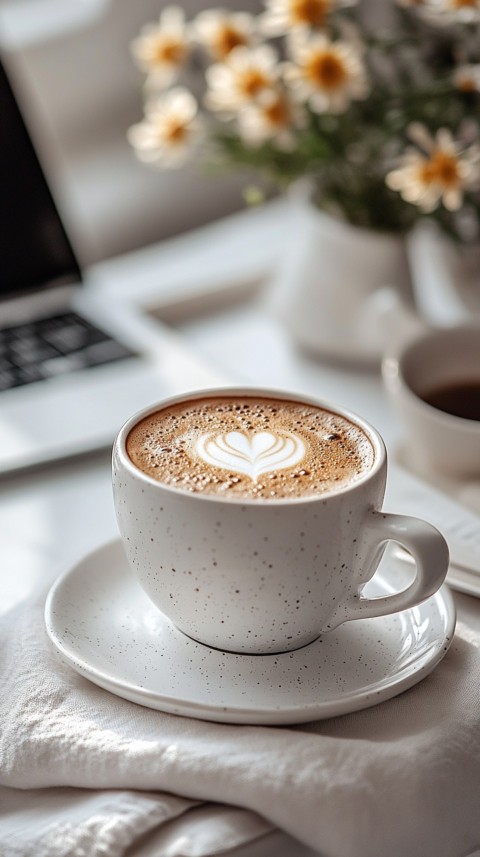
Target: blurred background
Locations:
point(71, 63)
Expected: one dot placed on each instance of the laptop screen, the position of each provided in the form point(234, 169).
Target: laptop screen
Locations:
point(35, 252)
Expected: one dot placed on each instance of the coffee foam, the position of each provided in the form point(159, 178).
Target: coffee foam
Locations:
point(250, 447)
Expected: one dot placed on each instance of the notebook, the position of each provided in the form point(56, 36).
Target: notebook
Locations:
point(71, 369)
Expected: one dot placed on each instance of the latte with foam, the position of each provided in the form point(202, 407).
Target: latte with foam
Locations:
point(250, 447)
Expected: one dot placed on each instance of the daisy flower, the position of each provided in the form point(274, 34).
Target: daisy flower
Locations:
point(220, 31)
point(161, 49)
point(327, 74)
point(466, 77)
point(272, 117)
point(170, 130)
point(241, 78)
point(283, 15)
point(438, 171)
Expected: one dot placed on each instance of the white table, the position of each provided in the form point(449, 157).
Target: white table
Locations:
point(52, 515)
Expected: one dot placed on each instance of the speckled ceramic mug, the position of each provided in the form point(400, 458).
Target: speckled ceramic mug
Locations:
point(259, 575)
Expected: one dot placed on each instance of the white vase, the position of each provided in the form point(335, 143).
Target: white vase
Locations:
point(446, 276)
point(331, 280)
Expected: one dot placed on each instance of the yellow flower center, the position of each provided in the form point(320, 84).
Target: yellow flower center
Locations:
point(326, 70)
point(313, 12)
point(167, 50)
point(252, 81)
point(466, 84)
point(441, 168)
point(226, 39)
point(174, 132)
point(277, 113)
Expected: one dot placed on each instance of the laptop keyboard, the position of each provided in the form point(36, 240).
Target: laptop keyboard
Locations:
point(54, 346)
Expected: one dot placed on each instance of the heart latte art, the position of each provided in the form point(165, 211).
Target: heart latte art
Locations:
point(252, 455)
point(249, 447)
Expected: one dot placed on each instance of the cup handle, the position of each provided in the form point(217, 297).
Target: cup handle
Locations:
point(426, 545)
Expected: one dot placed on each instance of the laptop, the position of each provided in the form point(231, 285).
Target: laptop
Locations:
point(72, 370)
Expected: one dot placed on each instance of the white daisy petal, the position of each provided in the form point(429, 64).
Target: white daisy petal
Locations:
point(419, 134)
point(445, 140)
point(452, 199)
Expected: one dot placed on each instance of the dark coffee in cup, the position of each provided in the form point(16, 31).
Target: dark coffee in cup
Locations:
point(458, 398)
point(250, 447)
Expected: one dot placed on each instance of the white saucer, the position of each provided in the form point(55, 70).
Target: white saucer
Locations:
point(105, 627)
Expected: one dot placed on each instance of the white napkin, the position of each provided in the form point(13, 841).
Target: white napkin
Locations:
point(85, 823)
point(402, 778)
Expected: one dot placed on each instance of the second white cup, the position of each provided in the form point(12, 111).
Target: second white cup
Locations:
point(427, 362)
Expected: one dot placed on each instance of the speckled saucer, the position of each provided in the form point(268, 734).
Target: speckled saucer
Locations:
point(104, 626)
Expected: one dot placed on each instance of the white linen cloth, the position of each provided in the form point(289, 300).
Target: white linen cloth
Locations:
point(402, 778)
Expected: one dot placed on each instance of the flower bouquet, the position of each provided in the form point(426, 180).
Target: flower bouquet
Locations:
point(384, 122)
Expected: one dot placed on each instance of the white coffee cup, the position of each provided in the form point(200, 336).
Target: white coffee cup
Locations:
point(261, 576)
point(421, 360)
